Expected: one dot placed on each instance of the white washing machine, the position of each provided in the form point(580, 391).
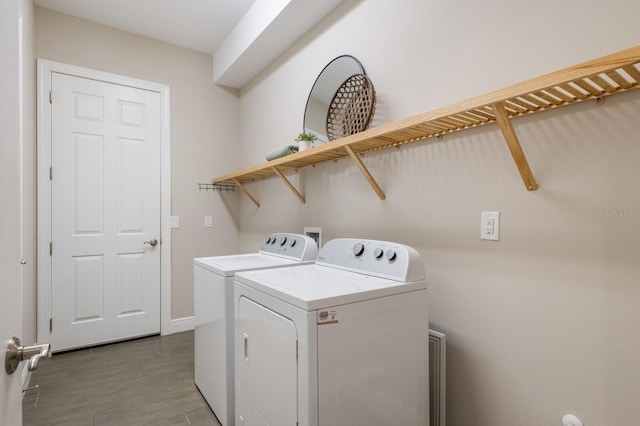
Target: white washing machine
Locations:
point(213, 296)
point(342, 342)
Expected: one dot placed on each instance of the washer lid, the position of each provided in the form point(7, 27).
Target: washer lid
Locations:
point(278, 249)
point(227, 266)
point(313, 286)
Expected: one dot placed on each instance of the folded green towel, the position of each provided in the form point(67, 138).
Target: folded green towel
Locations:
point(282, 151)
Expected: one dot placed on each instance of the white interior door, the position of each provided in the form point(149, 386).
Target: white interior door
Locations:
point(10, 274)
point(105, 212)
point(266, 366)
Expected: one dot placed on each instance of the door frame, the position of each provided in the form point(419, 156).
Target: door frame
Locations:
point(45, 68)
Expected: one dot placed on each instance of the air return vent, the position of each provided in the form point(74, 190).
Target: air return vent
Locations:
point(437, 378)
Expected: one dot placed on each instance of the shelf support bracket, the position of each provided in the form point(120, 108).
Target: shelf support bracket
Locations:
point(509, 133)
point(246, 192)
point(289, 185)
point(365, 172)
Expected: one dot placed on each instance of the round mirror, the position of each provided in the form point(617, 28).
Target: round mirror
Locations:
point(323, 91)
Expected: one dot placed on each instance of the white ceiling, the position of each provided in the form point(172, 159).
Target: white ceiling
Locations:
point(200, 25)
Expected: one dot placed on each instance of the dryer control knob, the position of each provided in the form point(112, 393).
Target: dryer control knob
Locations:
point(293, 243)
point(358, 249)
point(377, 253)
point(268, 240)
point(283, 240)
point(391, 255)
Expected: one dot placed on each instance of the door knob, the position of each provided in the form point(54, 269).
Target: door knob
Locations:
point(16, 353)
point(152, 243)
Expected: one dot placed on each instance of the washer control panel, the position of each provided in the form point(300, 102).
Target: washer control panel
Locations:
point(295, 246)
point(372, 257)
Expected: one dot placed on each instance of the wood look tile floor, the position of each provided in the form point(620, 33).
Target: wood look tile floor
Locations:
point(147, 381)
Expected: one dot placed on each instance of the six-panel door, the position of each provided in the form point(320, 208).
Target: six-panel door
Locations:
point(105, 212)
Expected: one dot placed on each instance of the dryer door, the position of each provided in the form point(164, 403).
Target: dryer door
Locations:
point(266, 366)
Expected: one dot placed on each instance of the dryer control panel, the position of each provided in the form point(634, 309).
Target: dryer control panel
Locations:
point(294, 246)
point(383, 259)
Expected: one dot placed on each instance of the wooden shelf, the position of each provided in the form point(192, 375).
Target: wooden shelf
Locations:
point(608, 75)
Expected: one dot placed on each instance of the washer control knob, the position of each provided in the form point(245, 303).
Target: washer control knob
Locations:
point(293, 243)
point(377, 253)
point(391, 255)
point(358, 249)
point(268, 240)
point(283, 240)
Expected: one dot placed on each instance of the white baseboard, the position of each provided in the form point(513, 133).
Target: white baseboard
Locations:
point(179, 325)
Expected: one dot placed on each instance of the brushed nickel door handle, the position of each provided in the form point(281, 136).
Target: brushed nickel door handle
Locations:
point(16, 353)
point(152, 243)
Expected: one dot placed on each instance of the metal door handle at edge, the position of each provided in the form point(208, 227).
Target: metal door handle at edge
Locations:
point(16, 353)
point(152, 243)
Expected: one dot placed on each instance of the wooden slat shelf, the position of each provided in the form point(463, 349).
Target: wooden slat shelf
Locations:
point(608, 75)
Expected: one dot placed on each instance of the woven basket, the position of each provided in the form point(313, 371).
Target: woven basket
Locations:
point(352, 107)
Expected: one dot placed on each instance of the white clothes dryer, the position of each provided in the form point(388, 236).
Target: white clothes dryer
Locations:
point(213, 311)
point(342, 342)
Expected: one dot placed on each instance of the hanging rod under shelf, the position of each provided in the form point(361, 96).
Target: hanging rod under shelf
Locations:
point(224, 186)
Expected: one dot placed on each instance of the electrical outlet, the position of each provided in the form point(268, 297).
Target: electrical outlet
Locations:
point(490, 226)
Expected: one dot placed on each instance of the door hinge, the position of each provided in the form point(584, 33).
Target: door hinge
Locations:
point(50, 173)
point(51, 249)
point(50, 96)
point(50, 325)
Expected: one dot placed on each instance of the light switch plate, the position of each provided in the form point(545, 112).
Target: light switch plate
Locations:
point(208, 221)
point(175, 222)
point(490, 226)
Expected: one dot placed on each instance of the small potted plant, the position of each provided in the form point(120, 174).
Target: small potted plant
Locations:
point(305, 139)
